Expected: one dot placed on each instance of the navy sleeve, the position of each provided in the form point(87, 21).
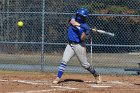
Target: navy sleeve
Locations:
point(85, 26)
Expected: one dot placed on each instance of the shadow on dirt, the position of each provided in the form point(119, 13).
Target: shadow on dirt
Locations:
point(137, 84)
point(71, 80)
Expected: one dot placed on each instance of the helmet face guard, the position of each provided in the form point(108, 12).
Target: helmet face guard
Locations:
point(81, 15)
point(80, 18)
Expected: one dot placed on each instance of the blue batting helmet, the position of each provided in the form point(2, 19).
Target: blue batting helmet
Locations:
point(83, 12)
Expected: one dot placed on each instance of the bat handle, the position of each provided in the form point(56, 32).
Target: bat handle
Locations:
point(92, 29)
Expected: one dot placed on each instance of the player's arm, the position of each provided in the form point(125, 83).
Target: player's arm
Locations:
point(74, 23)
point(83, 36)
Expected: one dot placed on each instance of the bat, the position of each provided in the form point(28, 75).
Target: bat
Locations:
point(100, 31)
point(107, 33)
point(104, 32)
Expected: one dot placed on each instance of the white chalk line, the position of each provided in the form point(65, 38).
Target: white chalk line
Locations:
point(64, 87)
point(100, 85)
point(35, 82)
point(97, 85)
point(31, 82)
point(35, 91)
point(121, 83)
point(88, 81)
point(110, 83)
point(3, 80)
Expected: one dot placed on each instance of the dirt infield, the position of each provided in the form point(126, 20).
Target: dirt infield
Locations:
point(36, 82)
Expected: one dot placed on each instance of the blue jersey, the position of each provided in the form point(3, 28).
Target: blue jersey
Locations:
point(74, 33)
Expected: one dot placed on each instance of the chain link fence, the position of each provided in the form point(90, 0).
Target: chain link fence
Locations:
point(40, 43)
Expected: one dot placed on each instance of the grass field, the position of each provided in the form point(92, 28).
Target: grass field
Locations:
point(98, 59)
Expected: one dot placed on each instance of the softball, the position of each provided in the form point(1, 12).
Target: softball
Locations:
point(20, 24)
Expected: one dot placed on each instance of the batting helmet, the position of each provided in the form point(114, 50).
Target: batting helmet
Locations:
point(83, 12)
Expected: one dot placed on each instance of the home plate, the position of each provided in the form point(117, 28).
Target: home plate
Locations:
point(99, 86)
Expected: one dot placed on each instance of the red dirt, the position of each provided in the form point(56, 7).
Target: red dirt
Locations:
point(35, 82)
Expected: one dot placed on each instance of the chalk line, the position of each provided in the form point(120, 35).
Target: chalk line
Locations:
point(35, 91)
point(64, 87)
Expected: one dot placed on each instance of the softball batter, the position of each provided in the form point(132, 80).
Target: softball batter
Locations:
point(77, 34)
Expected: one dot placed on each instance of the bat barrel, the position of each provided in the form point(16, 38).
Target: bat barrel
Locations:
point(104, 32)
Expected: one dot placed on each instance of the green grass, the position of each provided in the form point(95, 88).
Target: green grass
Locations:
point(98, 59)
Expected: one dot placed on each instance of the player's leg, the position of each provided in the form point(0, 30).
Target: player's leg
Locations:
point(81, 55)
point(68, 53)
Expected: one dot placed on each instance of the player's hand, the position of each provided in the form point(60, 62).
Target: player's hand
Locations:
point(95, 30)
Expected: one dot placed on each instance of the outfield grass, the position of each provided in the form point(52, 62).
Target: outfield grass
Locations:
point(98, 59)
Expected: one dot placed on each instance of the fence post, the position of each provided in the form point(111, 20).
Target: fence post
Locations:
point(91, 52)
point(42, 37)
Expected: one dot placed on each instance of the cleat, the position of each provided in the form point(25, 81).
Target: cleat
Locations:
point(98, 79)
point(56, 81)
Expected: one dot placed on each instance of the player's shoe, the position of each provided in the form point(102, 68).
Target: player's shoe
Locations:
point(56, 81)
point(98, 79)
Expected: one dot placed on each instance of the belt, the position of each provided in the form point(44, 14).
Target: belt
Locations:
point(73, 42)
